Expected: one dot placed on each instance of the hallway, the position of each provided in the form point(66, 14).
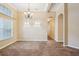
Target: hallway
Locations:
point(36, 48)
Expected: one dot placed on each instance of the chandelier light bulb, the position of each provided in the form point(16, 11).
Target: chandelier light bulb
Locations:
point(25, 13)
point(28, 12)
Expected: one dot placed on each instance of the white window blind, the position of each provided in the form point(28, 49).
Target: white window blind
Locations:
point(5, 10)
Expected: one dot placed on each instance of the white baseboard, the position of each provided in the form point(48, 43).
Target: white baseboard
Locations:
point(31, 40)
point(73, 46)
point(65, 45)
point(7, 44)
point(56, 40)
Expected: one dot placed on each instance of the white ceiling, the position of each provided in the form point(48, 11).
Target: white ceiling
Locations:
point(35, 7)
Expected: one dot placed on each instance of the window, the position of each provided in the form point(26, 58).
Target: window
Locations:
point(6, 23)
point(5, 10)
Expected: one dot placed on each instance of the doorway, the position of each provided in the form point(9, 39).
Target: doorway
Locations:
point(51, 28)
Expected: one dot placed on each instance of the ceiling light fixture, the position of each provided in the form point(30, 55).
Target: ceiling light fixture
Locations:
point(28, 13)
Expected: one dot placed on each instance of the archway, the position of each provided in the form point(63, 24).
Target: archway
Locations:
point(60, 28)
point(51, 24)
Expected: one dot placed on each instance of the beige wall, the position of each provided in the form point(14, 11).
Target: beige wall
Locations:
point(31, 33)
point(43, 17)
point(73, 25)
point(5, 43)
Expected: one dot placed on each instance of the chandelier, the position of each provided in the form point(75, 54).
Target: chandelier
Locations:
point(28, 14)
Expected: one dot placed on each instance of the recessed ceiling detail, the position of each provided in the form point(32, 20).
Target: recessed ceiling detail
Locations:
point(35, 7)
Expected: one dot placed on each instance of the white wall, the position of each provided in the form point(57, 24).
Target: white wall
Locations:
point(31, 32)
point(73, 25)
point(59, 10)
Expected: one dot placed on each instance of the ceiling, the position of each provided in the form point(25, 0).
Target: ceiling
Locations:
point(35, 7)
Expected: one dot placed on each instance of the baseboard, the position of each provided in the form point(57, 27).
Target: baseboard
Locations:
point(58, 41)
point(73, 47)
point(31, 40)
point(55, 40)
point(65, 45)
point(7, 44)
